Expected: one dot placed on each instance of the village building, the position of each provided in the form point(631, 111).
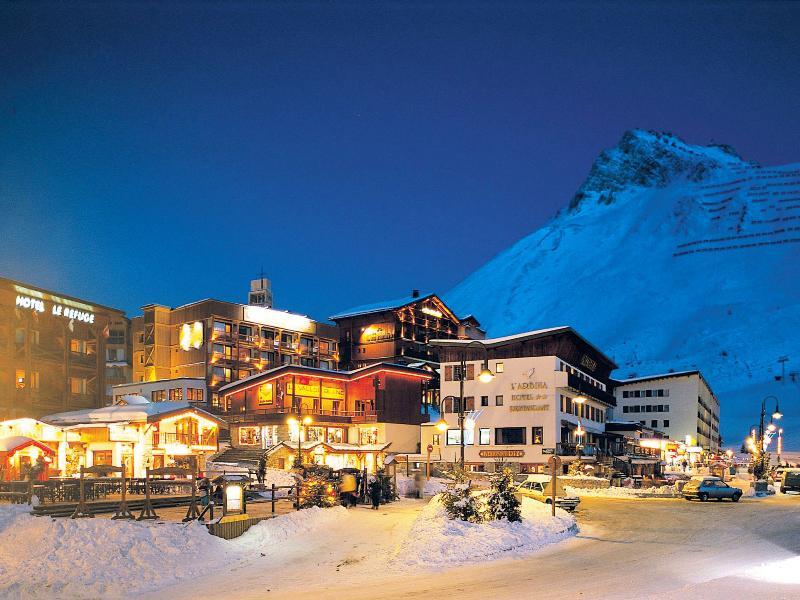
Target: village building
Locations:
point(190, 389)
point(222, 342)
point(681, 404)
point(527, 411)
point(136, 434)
point(337, 418)
point(58, 352)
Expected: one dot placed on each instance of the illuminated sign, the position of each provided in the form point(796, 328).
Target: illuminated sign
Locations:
point(589, 363)
point(332, 390)
point(432, 312)
point(501, 453)
point(191, 335)
point(528, 397)
point(381, 332)
point(529, 385)
point(265, 395)
point(305, 387)
point(59, 310)
point(278, 318)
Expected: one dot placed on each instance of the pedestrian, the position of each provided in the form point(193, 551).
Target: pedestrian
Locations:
point(375, 493)
point(262, 469)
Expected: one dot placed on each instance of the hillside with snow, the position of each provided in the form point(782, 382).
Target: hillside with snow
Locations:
point(670, 256)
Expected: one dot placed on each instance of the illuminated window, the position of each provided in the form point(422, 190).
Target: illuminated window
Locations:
point(437, 440)
point(368, 435)
point(176, 394)
point(20, 379)
point(245, 331)
point(499, 367)
point(307, 362)
point(223, 373)
point(222, 328)
point(33, 380)
point(287, 339)
point(307, 345)
point(158, 395)
point(101, 457)
point(223, 350)
point(78, 385)
point(483, 437)
point(194, 394)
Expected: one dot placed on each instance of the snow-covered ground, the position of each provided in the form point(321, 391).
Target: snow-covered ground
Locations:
point(91, 558)
point(434, 541)
point(407, 486)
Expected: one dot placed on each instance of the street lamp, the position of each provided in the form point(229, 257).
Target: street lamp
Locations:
point(580, 399)
point(759, 462)
point(299, 423)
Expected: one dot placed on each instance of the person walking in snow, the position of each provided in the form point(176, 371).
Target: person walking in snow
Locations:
point(262, 469)
point(375, 493)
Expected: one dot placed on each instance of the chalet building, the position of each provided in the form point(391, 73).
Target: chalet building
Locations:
point(189, 389)
point(222, 342)
point(58, 352)
point(398, 331)
point(681, 404)
point(527, 412)
point(353, 417)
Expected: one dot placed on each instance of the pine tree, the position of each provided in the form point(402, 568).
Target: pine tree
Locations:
point(317, 491)
point(502, 503)
point(459, 501)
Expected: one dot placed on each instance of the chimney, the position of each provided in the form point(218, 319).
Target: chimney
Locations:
point(415, 293)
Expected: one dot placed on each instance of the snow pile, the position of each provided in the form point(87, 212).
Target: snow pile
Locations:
point(434, 541)
point(278, 477)
point(406, 486)
point(92, 558)
point(663, 491)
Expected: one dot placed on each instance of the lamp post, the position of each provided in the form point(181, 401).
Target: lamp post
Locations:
point(485, 376)
point(299, 422)
point(759, 465)
point(580, 400)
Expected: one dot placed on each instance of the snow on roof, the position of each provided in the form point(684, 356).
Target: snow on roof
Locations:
point(379, 306)
point(117, 413)
point(659, 376)
point(131, 399)
point(10, 443)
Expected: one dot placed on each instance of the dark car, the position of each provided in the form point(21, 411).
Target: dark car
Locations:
point(790, 482)
point(704, 488)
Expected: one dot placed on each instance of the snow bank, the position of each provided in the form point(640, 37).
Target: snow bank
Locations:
point(92, 558)
point(406, 486)
point(664, 491)
point(434, 541)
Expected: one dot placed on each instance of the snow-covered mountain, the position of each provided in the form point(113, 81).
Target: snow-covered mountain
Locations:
point(670, 256)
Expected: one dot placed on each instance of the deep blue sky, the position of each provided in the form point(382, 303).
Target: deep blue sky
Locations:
point(164, 153)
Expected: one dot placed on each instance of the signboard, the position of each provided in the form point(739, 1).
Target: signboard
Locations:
point(305, 387)
point(191, 335)
point(589, 363)
point(529, 397)
point(430, 448)
point(380, 332)
point(333, 390)
point(84, 314)
point(265, 393)
point(548, 450)
point(501, 453)
point(530, 408)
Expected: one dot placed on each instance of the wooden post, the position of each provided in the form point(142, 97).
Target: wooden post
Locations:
point(82, 509)
point(192, 512)
point(122, 510)
point(273, 497)
point(147, 508)
point(555, 463)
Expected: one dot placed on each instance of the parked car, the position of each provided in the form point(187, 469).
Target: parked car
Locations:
point(704, 488)
point(790, 481)
point(538, 488)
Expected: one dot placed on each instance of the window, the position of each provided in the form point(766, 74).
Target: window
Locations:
point(222, 350)
point(287, 339)
point(249, 436)
point(267, 357)
point(483, 437)
point(625, 409)
point(624, 394)
point(19, 336)
point(648, 393)
point(437, 440)
point(335, 435)
point(222, 328)
point(194, 394)
point(666, 408)
point(79, 346)
point(33, 380)
point(453, 437)
point(78, 385)
point(499, 367)
point(325, 347)
point(498, 400)
point(368, 436)
point(158, 395)
point(245, 330)
point(666, 422)
point(286, 359)
point(34, 333)
point(654, 423)
point(116, 336)
point(307, 362)
point(484, 400)
point(326, 364)
point(307, 345)
point(537, 436)
point(176, 394)
point(222, 373)
point(509, 435)
point(101, 457)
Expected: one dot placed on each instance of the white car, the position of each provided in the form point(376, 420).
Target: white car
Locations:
point(538, 487)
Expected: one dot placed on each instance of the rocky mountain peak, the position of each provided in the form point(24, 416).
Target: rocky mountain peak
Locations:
point(650, 159)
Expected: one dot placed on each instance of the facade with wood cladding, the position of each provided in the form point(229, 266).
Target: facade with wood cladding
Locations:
point(355, 415)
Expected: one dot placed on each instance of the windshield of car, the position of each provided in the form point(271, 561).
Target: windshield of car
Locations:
point(791, 478)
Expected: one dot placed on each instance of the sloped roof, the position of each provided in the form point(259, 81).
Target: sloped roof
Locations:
point(376, 307)
point(120, 413)
point(16, 442)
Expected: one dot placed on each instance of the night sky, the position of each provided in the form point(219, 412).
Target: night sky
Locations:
point(165, 153)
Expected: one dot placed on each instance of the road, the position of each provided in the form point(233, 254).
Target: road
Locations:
point(625, 549)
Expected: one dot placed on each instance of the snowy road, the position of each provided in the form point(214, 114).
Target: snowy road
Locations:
point(626, 549)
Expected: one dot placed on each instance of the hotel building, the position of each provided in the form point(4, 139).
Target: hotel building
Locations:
point(682, 405)
point(222, 342)
point(354, 417)
point(526, 413)
point(58, 352)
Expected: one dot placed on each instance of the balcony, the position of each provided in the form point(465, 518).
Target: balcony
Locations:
point(162, 438)
point(567, 449)
point(577, 384)
point(334, 416)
